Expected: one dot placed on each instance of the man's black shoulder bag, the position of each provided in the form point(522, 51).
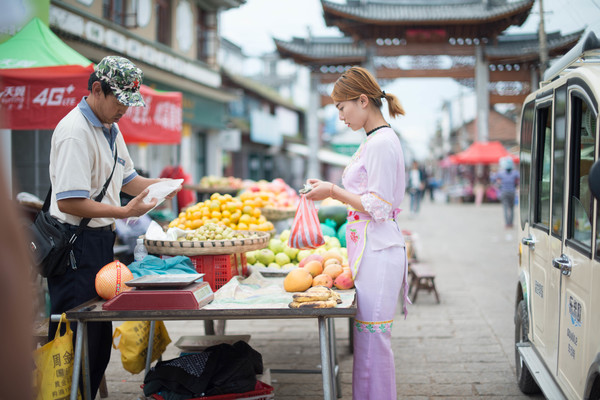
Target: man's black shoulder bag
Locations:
point(51, 242)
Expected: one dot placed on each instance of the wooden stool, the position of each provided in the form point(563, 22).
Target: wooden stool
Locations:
point(40, 336)
point(422, 277)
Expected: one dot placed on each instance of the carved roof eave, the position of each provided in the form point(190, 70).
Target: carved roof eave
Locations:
point(216, 5)
point(529, 48)
point(297, 51)
point(358, 21)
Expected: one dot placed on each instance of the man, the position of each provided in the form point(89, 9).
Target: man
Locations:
point(508, 180)
point(82, 156)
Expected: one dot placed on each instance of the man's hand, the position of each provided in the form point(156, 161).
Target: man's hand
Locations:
point(136, 207)
point(174, 192)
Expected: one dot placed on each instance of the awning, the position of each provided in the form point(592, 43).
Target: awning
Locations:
point(483, 153)
point(323, 155)
point(42, 79)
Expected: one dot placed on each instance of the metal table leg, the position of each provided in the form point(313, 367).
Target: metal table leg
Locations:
point(325, 359)
point(86, 364)
point(337, 388)
point(77, 361)
point(150, 346)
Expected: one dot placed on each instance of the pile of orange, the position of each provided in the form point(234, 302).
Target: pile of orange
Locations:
point(236, 213)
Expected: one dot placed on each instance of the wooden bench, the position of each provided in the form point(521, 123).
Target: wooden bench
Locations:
point(40, 337)
point(421, 277)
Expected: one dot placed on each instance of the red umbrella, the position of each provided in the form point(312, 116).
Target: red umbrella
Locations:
point(483, 153)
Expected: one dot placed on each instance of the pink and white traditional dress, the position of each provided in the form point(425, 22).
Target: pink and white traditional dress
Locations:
point(377, 258)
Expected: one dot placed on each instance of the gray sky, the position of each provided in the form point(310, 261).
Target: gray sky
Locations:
point(254, 25)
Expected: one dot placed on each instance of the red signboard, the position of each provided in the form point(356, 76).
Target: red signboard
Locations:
point(38, 98)
point(159, 122)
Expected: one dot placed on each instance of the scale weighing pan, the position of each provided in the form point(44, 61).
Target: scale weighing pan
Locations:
point(164, 281)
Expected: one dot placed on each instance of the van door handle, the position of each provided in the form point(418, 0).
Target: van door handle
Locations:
point(564, 264)
point(529, 241)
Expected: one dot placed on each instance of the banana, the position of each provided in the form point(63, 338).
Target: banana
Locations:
point(314, 296)
point(336, 296)
point(313, 304)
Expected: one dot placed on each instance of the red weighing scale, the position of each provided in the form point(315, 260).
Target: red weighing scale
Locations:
point(163, 292)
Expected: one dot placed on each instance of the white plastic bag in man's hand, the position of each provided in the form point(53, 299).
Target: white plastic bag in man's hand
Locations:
point(159, 191)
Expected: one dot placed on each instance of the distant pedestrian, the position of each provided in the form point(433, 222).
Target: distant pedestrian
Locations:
point(507, 180)
point(416, 186)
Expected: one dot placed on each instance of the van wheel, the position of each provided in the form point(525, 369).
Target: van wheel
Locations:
point(524, 378)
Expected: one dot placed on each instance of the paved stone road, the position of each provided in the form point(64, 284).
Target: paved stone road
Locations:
point(459, 349)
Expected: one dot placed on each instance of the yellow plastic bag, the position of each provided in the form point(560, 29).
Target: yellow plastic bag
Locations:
point(134, 343)
point(54, 365)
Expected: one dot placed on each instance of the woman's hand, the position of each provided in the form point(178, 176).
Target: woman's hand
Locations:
point(320, 190)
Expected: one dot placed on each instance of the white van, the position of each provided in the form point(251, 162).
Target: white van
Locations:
point(557, 313)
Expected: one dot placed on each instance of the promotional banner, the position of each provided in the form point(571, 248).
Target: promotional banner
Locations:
point(159, 122)
point(38, 98)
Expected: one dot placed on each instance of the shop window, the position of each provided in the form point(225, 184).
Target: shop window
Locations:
point(121, 12)
point(163, 24)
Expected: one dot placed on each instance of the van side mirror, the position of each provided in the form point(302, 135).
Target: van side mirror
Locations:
point(594, 180)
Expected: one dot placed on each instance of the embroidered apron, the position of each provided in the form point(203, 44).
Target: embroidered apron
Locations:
point(356, 240)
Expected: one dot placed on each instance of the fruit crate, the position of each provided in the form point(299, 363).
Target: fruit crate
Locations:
point(261, 391)
point(219, 269)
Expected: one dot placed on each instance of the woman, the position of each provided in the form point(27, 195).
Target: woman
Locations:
point(374, 184)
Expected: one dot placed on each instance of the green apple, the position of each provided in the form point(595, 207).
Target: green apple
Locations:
point(303, 254)
point(259, 265)
point(251, 257)
point(288, 266)
point(285, 235)
point(291, 252)
point(332, 242)
point(276, 246)
point(274, 265)
point(282, 258)
point(265, 256)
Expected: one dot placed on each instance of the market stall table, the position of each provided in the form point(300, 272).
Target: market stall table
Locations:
point(92, 311)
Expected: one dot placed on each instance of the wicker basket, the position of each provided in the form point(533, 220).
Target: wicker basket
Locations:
point(278, 214)
point(206, 247)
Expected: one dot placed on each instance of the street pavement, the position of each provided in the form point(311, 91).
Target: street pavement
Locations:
point(461, 348)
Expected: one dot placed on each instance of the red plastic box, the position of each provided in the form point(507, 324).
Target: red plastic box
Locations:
point(219, 269)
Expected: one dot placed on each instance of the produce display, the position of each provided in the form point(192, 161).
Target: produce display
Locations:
point(213, 231)
point(316, 297)
point(225, 210)
point(274, 194)
point(279, 256)
point(212, 181)
point(326, 269)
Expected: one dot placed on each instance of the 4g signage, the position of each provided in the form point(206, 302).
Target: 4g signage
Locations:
point(56, 96)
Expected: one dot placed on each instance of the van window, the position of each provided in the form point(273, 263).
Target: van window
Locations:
point(582, 157)
point(544, 142)
point(525, 162)
point(558, 177)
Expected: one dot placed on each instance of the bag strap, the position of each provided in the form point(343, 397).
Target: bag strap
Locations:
point(98, 198)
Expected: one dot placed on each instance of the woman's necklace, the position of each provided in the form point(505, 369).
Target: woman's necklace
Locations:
point(379, 127)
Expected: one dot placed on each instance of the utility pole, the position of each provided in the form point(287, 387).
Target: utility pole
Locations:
point(543, 42)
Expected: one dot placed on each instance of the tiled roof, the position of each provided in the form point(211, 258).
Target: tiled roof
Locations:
point(338, 48)
point(342, 49)
point(523, 44)
point(414, 11)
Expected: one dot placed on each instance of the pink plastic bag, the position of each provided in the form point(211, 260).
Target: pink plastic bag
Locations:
point(306, 230)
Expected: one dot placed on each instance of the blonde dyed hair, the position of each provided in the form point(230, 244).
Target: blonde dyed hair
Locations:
point(357, 81)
